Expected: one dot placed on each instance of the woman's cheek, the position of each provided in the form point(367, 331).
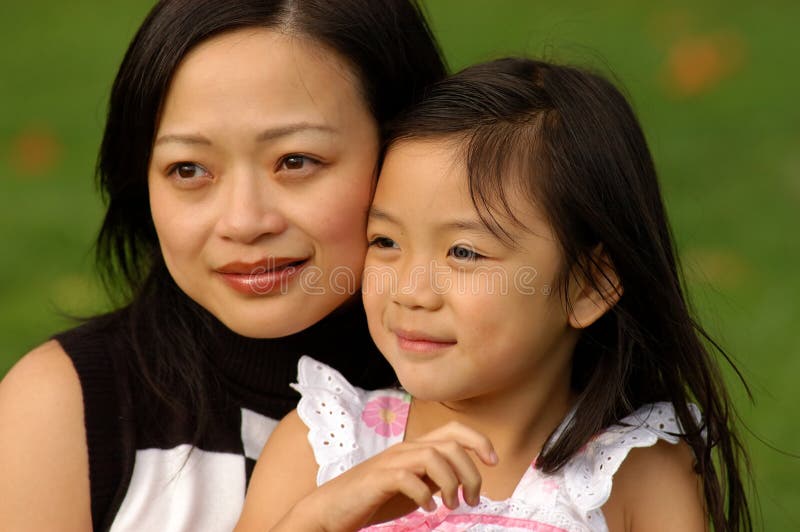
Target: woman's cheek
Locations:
point(181, 229)
point(343, 215)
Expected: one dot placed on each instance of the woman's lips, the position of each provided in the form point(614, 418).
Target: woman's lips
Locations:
point(261, 278)
point(421, 342)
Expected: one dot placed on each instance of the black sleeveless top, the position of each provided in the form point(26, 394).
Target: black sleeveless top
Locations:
point(145, 473)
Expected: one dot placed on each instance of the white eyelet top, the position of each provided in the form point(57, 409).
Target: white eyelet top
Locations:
point(348, 425)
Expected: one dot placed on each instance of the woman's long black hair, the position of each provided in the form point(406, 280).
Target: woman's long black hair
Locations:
point(392, 53)
point(572, 143)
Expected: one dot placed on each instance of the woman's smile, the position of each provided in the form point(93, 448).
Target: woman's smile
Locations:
point(263, 277)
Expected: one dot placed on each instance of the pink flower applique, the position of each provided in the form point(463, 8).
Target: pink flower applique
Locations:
point(386, 415)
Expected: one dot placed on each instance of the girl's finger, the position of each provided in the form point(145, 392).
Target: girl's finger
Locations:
point(439, 470)
point(464, 468)
point(410, 485)
point(466, 437)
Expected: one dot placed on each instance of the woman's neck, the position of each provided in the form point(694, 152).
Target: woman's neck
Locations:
point(341, 340)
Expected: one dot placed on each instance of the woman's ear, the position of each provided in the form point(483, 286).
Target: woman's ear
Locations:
point(592, 296)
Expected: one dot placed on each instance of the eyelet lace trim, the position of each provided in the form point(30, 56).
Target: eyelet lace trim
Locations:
point(571, 499)
point(329, 407)
point(589, 474)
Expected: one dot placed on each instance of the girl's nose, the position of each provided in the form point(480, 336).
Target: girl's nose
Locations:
point(250, 209)
point(420, 287)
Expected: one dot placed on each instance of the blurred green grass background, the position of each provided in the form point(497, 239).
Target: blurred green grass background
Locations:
point(715, 85)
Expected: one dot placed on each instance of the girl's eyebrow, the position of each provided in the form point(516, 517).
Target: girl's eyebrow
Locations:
point(473, 226)
point(458, 224)
point(375, 213)
point(266, 135)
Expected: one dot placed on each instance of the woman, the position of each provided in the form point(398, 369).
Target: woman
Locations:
point(238, 161)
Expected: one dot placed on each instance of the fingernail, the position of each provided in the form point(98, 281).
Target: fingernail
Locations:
point(493, 458)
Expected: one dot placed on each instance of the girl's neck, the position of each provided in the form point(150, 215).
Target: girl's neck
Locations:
point(513, 426)
point(517, 422)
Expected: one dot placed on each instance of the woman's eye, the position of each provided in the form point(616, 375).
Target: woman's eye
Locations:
point(382, 242)
point(295, 162)
point(188, 171)
point(464, 253)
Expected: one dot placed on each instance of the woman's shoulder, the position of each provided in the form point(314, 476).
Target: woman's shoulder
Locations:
point(70, 396)
point(43, 450)
point(43, 382)
point(44, 375)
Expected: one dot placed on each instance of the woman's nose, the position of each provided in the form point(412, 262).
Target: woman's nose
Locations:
point(250, 208)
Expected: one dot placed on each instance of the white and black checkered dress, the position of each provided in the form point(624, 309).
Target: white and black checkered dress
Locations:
point(144, 473)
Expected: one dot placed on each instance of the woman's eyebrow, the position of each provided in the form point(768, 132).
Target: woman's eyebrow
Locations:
point(291, 129)
point(266, 135)
point(182, 139)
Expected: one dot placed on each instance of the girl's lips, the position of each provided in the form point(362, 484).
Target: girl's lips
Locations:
point(262, 278)
point(421, 342)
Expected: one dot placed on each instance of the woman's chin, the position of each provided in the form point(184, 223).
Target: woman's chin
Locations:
point(274, 317)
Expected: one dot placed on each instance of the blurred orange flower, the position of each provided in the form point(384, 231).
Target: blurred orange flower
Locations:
point(36, 150)
point(698, 64)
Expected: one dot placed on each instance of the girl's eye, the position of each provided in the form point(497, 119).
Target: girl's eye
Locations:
point(383, 242)
point(464, 253)
point(188, 171)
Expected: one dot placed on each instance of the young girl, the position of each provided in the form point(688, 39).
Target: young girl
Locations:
point(521, 280)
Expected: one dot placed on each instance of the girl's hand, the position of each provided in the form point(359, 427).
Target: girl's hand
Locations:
point(400, 479)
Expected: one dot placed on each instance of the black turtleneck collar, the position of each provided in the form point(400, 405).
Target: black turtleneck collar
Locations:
point(261, 369)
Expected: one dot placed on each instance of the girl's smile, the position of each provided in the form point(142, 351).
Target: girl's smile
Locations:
point(421, 342)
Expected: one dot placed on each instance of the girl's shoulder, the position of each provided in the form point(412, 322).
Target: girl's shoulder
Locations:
point(346, 424)
point(639, 473)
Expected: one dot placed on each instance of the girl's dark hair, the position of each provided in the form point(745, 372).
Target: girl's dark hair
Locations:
point(571, 143)
point(393, 55)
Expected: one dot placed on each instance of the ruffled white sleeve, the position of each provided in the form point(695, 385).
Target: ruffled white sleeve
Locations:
point(346, 425)
point(588, 476)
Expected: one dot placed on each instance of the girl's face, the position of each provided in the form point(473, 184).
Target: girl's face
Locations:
point(457, 312)
point(260, 178)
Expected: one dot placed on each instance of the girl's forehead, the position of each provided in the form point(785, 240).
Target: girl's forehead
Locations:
point(427, 179)
point(420, 168)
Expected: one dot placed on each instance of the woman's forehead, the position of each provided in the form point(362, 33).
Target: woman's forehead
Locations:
point(265, 77)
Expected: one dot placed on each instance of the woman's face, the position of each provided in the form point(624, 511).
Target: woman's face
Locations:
point(260, 179)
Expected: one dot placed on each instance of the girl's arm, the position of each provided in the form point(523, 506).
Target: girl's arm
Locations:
point(285, 473)
point(283, 496)
point(44, 460)
point(657, 490)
